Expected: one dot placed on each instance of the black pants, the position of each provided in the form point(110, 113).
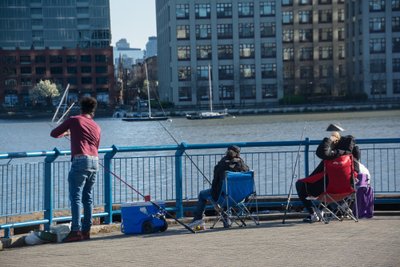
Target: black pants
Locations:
point(309, 189)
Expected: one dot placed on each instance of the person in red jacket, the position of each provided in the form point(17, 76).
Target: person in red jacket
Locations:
point(84, 134)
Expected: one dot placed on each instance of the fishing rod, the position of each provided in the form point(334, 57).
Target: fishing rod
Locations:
point(293, 176)
point(61, 101)
point(140, 194)
point(186, 154)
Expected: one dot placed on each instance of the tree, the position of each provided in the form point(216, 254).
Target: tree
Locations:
point(44, 91)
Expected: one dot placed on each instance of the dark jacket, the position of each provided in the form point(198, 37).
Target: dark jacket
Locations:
point(225, 164)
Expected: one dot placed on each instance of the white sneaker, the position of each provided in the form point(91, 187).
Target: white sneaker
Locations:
point(196, 223)
point(312, 218)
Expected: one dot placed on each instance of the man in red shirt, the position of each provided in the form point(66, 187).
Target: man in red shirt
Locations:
point(85, 139)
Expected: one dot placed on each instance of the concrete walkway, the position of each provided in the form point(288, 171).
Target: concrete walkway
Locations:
point(372, 242)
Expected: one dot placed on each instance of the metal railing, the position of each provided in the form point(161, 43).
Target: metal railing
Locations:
point(36, 192)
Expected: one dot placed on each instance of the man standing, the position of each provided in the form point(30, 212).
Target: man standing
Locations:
point(85, 140)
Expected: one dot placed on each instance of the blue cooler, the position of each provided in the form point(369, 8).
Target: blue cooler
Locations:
point(143, 218)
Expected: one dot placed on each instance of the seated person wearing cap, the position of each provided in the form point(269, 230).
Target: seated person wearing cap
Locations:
point(330, 148)
point(230, 162)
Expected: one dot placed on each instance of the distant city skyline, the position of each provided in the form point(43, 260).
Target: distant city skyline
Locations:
point(133, 20)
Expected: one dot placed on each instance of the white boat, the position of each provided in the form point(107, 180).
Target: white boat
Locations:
point(208, 114)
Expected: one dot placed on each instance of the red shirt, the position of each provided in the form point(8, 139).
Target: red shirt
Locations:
point(84, 133)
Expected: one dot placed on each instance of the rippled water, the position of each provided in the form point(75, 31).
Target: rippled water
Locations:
point(23, 135)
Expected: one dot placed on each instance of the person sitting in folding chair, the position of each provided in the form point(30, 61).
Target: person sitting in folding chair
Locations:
point(230, 162)
point(313, 185)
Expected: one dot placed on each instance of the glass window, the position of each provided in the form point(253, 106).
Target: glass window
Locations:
point(288, 54)
point(376, 5)
point(182, 11)
point(71, 59)
point(185, 93)
point(25, 59)
point(377, 66)
point(325, 52)
point(183, 52)
point(225, 51)
point(305, 2)
point(56, 70)
point(269, 90)
point(396, 24)
point(26, 70)
point(246, 50)
point(305, 35)
point(324, 2)
point(202, 72)
point(182, 32)
point(377, 45)
point(100, 58)
point(267, 8)
point(287, 2)
point(396, 64)
point(102, 80)
point(202, 11)
point(306, 72)
point(395, 5)
point(377, 24)
point(267, 29)
point(247, 91)
point(40, 59)
point(396, 44)
point(341, 52)
point(225, 72)
point(86, 80)
point(247, 71)
point(306, 53)
point(226, 92)
point(203, 52)
point(86, 69)
point(378, 87)
point(396, 86)
point(224, 10)
point(305, 16)
point(268, 50)
point(224, 31)
point(325, 34)
point(86, 58)
point(246, 30)
point(56, 59)
point(341, 34)
point(203, 31)
point(325, 16)
point(288, 35)
point(40, 70)
point(184, 73)
point(268, 70)
point(341, 15)
point(325, 71)
point(287, 17)
point(246, 9)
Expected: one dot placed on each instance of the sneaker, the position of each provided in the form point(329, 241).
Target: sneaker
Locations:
point(73, 236)
point(227, 222)
point(311, 218)
point(86, 235)
point(195, 223)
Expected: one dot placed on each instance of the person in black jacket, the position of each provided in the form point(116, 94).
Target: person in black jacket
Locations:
point(230, 162)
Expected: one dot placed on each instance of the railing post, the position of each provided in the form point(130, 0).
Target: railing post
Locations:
point(48, 188)
point(178, 180)
point(306, 156)
point(108, 185)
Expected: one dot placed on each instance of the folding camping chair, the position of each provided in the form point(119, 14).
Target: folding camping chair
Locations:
point(339, 193)
point(237, 198)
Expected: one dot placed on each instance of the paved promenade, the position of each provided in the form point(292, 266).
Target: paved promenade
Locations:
point(373, 242)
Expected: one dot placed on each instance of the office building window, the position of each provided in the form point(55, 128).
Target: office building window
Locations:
point(305, 2)
point(396, 86)
point(182, 11)
point(396, 64)
point(185, 93)
point(86, 69)
point(341, 52)
point(305, 17)
point(86, 58)
point(325, 16)
point(182, 32)
point(246, 30)
point(102, 80)
point(184, 52)
point(267, 29)
point(40, 70)
point(56, 59)
point(306, 72)
point(395, 24)
point(377, 45)
point(86, 80)
point(268, 70)
point(288, 54)
point(268, 50)
point(269, 91)
point(225, 51)
point(225, 72)
point(341, 34)
point(378, 87)
point(288, 71)
point(101, 69)
point(377, 24)
point(202, 72)
point(224, 31)
point(396, 44)
point(247, 71)
point(288, 35)
point(100, 58)
point(287, 17)
point(325, 71)
point(376, 5)
point(247, 91)
point(25, 59)
point(325, 2)
point(267, 8)
point(203, 52)
point(325, 35)
point(71, 59)
point(184, 73)
point(246, 50)
point(377, 66)
point(224, 10)
point(305, 35)
point(226, 92)
point(40, 59)
point(246, 9)
point(287, 2)
point(325, 52)
point(341, 15)
point(395, 5)
point(26, 70)
point(306, 53)
point(72, 70)
point(202, 11)
point(203, 31)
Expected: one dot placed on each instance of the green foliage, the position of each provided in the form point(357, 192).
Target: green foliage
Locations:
point(44, 91)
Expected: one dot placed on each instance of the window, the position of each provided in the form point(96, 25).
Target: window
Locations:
point(56, 70)
point(182, 32)
point(268, 70)
point(226, 92)
point(182, 11)
point(185, 93)
point(86, 58)
point(288, 54)
point(325, 2)
point(183, 52)
point(86, 69)
point(377, 24)
point(287, 17)
point(225, 72)
point(102, 80)
point(246, 50)
point(306, 72)
point(202, 11)
point(287, 36)
point(267, 29)
point(101, 69)
point(268, 50)
point(246, 9)
point(396, 44)
point(377, 66)
point(288, 71)
point(395, 5)
point(72, 70)
point(40, 59)
point(396, 24)
point(325, 35)
point(269, 91)
point(40, 70)
point(341, 15)
point(341, 52)
point(325, 71)
point(325, 16)
point(25, 59)
point(247, 71)
point(26, 70)
point(225, 52)
point(341, 34)
point(305, 35)
point(184, 73)
point(376, 5)
point(224, 31)
point(202, 72)
point(267, 8)
point(287, 2)
point(396, 86)
point(378, 87)
point(306, 53)
point(203, 31)
point(246, 30)
point(100, 58)
point(305, 16)
point(72, 59)
point(247, 91)
point(86, 80)
point(325, 52)
point(224, 10)
point(203, 51)
point(305, 2)
point(396, 64)
point(377, 45)
point(56, 59)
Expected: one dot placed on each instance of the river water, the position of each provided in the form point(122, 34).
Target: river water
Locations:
point(24, 135)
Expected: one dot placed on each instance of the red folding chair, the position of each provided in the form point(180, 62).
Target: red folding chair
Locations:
point(339, 193)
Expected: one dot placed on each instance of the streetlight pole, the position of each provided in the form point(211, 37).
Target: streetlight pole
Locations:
point(148, 88)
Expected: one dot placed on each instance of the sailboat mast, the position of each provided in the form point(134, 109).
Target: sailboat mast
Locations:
point(210, 87)
point(148, 88)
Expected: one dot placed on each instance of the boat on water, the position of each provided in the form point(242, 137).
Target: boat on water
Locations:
point(203, 115)
point(145, 118)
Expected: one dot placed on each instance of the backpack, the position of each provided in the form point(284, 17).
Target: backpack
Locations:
point(365, 194)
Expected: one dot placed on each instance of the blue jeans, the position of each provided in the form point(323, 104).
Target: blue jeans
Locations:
point(81, 179)
point(204, 195)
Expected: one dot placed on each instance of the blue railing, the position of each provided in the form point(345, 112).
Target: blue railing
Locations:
point(36, 192)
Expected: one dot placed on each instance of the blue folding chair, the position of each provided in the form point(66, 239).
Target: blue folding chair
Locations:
point(237, 198)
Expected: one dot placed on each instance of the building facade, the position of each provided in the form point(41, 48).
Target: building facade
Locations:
point(59, 40)
point(373, 45)
point(151, 47)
